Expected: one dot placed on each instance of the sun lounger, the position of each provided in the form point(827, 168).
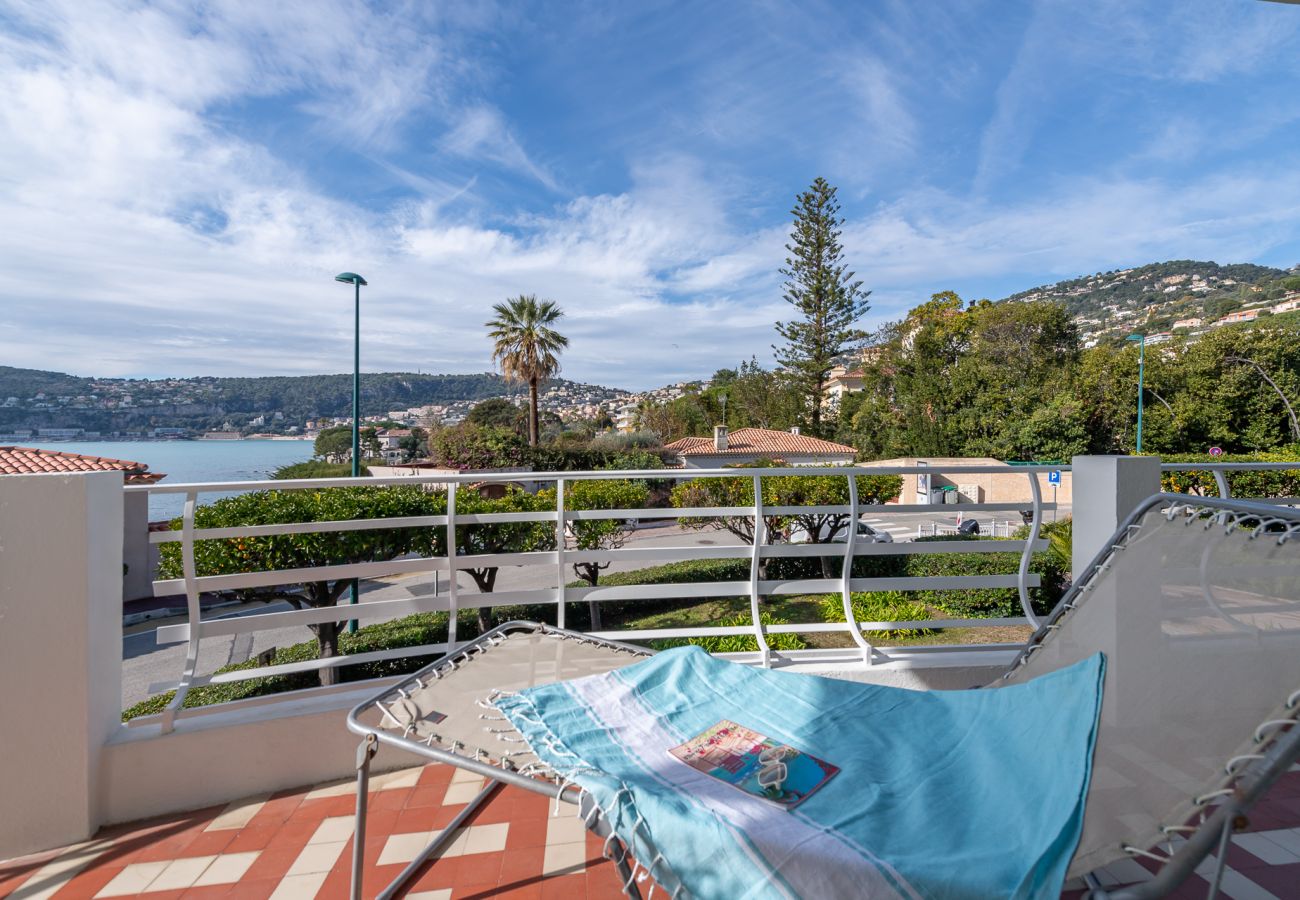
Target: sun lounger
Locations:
point(1194, 608)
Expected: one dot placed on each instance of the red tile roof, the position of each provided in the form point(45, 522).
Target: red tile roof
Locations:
point(31, 461)
point(760, 442)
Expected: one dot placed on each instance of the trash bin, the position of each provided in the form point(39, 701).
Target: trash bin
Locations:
point(936, 496)
point(951, 495)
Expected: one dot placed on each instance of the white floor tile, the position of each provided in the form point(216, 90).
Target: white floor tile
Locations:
point(332, 829)
point(1270, 851)
point(1238, 887)
point(565, 829)
point(465, 776)
point(1286, 838)
point(441, 894)
point(402, 848)
point(332, 789)
point(317, 858)
point(462, 791)
point(564, 859)
point(181, 873)
point(46, 881)
point(239, 813)
point(133, 879)
point(299, 887)
point(399, 778)
point(486, 838)
point(227, 868)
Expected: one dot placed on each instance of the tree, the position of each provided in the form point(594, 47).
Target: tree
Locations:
point(500, 537)
point(315, 468)
point(334, 444)
point(526, 346)
point(826, 298)
point(498, 413)
point(599, 534)
point(296, 551)
point(414, 445)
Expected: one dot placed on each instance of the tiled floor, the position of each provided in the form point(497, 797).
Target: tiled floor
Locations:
point(298, 844)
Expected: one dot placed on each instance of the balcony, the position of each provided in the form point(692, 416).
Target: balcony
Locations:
point(253, 797)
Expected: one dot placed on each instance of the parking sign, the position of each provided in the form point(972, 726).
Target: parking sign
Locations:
point(1054, 477)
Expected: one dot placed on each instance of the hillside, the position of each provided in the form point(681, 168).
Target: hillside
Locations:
point(1151, 298)
point(33, 399)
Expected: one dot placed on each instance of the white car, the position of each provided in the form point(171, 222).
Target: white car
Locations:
point(866, 534)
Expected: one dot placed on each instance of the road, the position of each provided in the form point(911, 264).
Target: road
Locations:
point(148, 668)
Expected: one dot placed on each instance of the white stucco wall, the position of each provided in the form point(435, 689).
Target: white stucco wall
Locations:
point(60, 652)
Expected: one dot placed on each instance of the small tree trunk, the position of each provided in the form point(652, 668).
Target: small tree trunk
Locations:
point(590, 573)
point(533, 434)
point(327, 635)
point(486, 580)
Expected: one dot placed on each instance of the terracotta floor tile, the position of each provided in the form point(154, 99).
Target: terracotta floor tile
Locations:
point(394, 799)
point(565, 887)
point(526, 891)
point(521, 865)
point(426, 795)
point(208, 892)
point(1284, 881)
point(422, 818)
point(210, 843)
point(254, 837)
point(254, 889)
point(87, 883)
point(325, 807)
point(272, 863)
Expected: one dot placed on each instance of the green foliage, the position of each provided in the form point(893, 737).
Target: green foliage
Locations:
point(1060, 541)
point(316, 468)
point(334, 444)
point(827, 300)
point(992, 602)
point(1281, 483)
point(499, 413)
point(738, 643)
point(468, 446)
point(879, 606)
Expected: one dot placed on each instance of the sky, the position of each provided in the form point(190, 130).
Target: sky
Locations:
point(180, 182)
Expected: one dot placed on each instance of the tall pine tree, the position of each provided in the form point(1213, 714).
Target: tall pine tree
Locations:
point(822, 290)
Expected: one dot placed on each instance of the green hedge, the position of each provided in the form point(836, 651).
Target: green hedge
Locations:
point(1281, 483)
point(737, 643)
point(879, 606)
point(987, 602)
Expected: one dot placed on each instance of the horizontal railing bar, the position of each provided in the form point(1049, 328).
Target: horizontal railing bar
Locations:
point(902, 583)
point(254, 622)
point(273, 577)
point(685, 512)
point(313, 665)
point(361, 688)
point(603, 475)
point(650, 554)
point(661, 591)
point(238, 531)
point(642, 634)
point(943, 508)
point(504, 517)
point(898, 548)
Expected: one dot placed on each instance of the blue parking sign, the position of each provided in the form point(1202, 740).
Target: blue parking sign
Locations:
point(1054, 477)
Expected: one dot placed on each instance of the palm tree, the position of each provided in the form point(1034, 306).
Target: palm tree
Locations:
point(526, 346)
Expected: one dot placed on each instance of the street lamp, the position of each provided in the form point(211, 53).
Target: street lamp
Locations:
point(1142, 352)
point(356, 281)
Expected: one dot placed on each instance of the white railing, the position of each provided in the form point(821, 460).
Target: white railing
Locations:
point(558, 593)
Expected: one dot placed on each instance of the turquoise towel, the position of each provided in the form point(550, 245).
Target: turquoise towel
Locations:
point(944, 794)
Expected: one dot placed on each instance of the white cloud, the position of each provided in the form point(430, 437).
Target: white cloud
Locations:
point(482, 132)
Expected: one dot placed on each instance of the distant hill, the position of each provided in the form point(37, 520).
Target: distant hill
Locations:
point(1154, 296)
point(42, 399)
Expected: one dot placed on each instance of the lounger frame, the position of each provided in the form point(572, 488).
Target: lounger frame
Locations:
point(1249, 784)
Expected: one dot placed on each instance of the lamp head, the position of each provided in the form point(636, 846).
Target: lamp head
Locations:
point(350, 278)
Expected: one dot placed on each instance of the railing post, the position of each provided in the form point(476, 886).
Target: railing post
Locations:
point(453, 609)
point(1106, 490)
point(850, 544)
point(760, 537)
point(194, 613)
point(561, 589)
point(1027, 555)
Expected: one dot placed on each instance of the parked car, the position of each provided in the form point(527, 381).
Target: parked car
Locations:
point(866, 534)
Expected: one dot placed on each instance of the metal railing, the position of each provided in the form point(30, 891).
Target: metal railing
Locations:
point(558, 593)
point(1220, 472)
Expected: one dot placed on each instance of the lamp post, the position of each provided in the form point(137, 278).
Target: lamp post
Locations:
point(356, 281)
point(1142, 352)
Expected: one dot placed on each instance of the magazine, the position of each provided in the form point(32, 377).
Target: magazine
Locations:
point(755, 764)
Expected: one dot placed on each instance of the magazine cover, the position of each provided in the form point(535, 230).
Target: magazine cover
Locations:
point(755, 764)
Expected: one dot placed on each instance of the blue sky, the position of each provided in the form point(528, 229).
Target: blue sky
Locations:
point(179, 182)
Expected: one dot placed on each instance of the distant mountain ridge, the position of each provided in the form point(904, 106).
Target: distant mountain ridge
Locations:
point(32, 397)
point(1154, 296)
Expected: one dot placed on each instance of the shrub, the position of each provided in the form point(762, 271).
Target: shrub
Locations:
point(1281, 483)
point(879, 606)
point(986, 602)
point(316, 468)
point(737, 643)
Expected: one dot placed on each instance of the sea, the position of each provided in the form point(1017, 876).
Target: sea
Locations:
point(190, 461)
